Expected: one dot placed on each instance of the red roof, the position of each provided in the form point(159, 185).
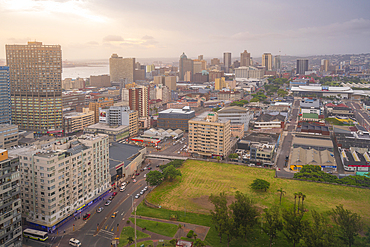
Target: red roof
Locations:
point(353, 129)
point(330, 105)
point(342, 105)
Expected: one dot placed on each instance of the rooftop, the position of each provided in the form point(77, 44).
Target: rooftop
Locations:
point(178, 111)
point(270, 118)
point(120, 152)
point(107, 127)
point(204, 117)
point(233, 109)
point(313, 142)
point(310, 103)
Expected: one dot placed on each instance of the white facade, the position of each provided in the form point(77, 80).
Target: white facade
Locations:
point(236, 115)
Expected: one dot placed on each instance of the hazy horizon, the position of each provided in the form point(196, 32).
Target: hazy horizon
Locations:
point(161, 29)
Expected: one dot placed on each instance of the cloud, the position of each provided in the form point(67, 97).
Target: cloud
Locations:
point(92, 43)
point(112, 38)
point(19, 40)
point(146, 37)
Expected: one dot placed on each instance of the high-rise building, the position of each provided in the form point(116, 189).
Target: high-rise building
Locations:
point(62, 177)
point(277, 63)
point(200, 57)
point(99, 103)
point(197, 66)
point(100, 81)
point(185, 65)
point(267, 61)
point(325, 65)
point(36, 86)
point(209, 136)
point(121, 69)
point(77, 121)
point(8, 136)
point(170, 82)
point(227, 61)
point(249, 72)
point(220, 83)
point(139, 100)
point(215, 61)
point(10, 208)
point(302, 66)
point(245, 58)
point(5, 103)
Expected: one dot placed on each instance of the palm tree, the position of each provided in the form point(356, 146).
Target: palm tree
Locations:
point(282, 192)
point(303, 197)
point(299, 198)
point(295, 200)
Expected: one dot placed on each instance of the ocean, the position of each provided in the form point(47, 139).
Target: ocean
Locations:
point(85, 72)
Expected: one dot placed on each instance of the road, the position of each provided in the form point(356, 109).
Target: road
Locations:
point(361, 114)
point(87, 231)
point(287, 142)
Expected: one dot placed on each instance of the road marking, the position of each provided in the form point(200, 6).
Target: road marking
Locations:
point(112, 230)
point(106, 227)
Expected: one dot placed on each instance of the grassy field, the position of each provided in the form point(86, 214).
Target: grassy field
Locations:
point(146, 243)
point(127, 232)
point(165, 229)
point(200, 179)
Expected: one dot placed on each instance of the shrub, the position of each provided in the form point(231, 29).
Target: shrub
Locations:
point(190, 234)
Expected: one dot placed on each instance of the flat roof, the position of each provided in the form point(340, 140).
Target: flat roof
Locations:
point(121, 152)
point(107, 127)
point(202, 117)
point(322, 89)
point(181, 111)
point(314, 142)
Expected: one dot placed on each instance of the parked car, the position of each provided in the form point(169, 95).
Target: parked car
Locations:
point(124, 184)
point(86, 216)
point(157, 166)
point(74, 242)
point(123, 188)
point(144, 175)
point(149, 168)
point(145, 168)
point(100, 209)
point(108, 203)
point(137, 196)
point(137, 174)
point(145, 188)
point(142, 192)
point(114, 194)
point(110, 198)
point(134, 181)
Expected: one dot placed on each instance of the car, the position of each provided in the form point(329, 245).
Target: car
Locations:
point(100, 209)
point(127, 182)
point(114, 214)
point(145, 168)
point(149, 168)
point(114, 194)
point(107, 203)
point(142, 192)
point(110, 198)
point(123, 188)
point(124, 184)
point(134, 181)
point(133, 177)
point(148, 165)
point(86, 216)
point(137, 174)
point(144, 175)
point(137, 196)
point(157, 166)
point(178, 152)
point(74, 242)
point(145, 188)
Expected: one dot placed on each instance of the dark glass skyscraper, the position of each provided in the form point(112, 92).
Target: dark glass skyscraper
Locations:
point(5, 103)
point(302, 66)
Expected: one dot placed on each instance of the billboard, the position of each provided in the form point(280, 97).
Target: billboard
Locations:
point(102, 116)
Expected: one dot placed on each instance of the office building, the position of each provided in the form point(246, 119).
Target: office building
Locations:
point(99, 103)
point(267, 61)
point(227, 61)
point(209, 136)
point(8, 136)
point(302, 66)
point(118, 115)
point(228, 95)
point(325, 65)
point(59, 179)
point(277, 63)
point(69, 83)
point(121, 69)
point(77, 121)
point(36, 86)
point(175, 118)
point(248, 72)
point(310, 106)
point(220, 83)
point(100, 81)
point(139, 100)
point(214, 74)
point(236, 115)
point(185, 65)
point(170, 82)
point(215, 61)
point(5, 103)
point(114, 133)
point(10, 207)
point(245, 59)
point(73, 101)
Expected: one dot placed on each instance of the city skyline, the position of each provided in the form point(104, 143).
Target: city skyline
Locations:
point(95, 30)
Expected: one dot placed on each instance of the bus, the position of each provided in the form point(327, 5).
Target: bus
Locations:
point(35, 234)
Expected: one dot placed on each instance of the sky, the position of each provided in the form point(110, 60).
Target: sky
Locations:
point(163, 28)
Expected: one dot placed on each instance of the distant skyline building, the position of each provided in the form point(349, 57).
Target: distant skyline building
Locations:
point(324, 65)
point(267, 61)
point(5, 102)
point(185, 65)
point(36, 86)
point(121, 69)
point(245, 58)
point(302, 66)
point(215, 61)
point(227, 60)
point(277, 63)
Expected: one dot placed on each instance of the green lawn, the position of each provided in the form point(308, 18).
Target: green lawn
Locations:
point(164, 229)
point(146, 243)
point(127, 232)
point(200, 179)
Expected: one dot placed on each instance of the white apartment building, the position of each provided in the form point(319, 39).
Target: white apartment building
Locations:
point(209, 136)
point(61, 178)
point(236, 115)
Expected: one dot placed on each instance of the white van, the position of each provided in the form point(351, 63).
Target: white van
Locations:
point(74, 242)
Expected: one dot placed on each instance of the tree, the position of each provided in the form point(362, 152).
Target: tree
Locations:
point(171, 173)
point(199, 243)
point(220, 214)
point(260, 184)
point(282, 192)
point(272, 222)
point(233, 156)
point(293, 225)
point(130, 240)
point(244, 213)
point(154, 178)
point(218, 158)
point(348, 224)
point(319, 233)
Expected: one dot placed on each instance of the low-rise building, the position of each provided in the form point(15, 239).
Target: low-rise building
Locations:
point(115, 133)
point(310, 106)
point(77, 121)
point(302, 156)
point(10, 207)
point(237, 115)
point(354, 160)
point(8, 136)
point(175, 118)
point(313, 129)
point(267, 121)
point(310, 117)
point(341, 110)
point(318, 143)
point(209, 136)
point(229, 95)
point(59, 180)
